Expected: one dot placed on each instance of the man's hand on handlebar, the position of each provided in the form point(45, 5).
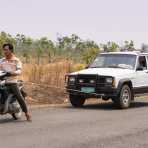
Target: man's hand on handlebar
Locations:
point(10, 74)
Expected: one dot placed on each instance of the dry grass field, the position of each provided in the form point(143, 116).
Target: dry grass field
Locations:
point(46, 83)
point(50, 74)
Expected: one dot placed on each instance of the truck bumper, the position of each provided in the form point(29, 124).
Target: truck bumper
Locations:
point(99, 92)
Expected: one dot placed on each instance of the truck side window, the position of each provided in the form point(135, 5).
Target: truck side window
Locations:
point(142, 62)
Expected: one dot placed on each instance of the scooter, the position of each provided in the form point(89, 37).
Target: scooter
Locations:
point(8, 101)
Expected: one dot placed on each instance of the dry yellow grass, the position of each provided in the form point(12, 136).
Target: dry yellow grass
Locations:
point(49, 77)
point(51, 74)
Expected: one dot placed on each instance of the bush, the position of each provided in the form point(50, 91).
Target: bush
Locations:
point(78, 67)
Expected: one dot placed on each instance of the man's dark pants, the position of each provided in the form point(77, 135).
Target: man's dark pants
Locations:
point(13, 87)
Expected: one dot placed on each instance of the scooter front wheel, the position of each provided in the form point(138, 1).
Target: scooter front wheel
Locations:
point(17, 116)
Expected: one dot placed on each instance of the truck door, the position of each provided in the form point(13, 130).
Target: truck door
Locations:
point(141, 81)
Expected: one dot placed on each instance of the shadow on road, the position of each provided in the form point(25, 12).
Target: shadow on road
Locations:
point(10, 120)
point(102, 106)
point(111, 106)
point(139, 104)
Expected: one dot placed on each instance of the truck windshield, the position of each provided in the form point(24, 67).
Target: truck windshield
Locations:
point(124, 61)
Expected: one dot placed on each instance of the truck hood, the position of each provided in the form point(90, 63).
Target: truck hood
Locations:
point(105, 71)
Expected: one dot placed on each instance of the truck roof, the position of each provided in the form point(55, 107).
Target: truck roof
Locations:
point(127, 52)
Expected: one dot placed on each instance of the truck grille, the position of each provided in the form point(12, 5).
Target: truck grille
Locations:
point(87, 79)
point(91, 80)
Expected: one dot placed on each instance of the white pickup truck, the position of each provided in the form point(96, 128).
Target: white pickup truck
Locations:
point(118, 76)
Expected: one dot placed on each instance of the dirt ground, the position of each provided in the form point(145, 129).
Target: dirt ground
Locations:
point(45, 95)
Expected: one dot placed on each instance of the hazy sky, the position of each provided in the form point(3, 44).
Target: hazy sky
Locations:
point(98, 20)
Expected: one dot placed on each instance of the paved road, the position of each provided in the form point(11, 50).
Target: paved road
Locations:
point(94, 126)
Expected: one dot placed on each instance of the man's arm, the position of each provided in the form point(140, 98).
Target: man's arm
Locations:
point(18, 68)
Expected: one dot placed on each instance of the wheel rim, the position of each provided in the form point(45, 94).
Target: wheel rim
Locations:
point(125, 96)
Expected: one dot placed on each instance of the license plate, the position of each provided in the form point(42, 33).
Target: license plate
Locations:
point(87, 89)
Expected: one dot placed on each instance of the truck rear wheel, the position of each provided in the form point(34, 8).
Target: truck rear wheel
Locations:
point(76, 100)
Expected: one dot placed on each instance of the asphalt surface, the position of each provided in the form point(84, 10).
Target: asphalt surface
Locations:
point(94, 126)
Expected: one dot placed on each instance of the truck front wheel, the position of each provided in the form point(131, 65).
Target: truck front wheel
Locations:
point(124, 98)
point(76, 100)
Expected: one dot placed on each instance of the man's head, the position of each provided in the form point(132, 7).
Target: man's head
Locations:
point(8, 49)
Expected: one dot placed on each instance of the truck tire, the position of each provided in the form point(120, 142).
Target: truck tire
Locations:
point(105, 98)
point(76, 100)
point(124, 98)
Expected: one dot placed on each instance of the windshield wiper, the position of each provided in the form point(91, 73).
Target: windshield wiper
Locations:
point(96, 67)
point(115, 66)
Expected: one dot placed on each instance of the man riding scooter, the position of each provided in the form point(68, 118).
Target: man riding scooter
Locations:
point(13, 67)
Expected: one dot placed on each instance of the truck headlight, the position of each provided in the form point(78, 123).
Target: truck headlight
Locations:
point(92, 81)
point(109, 80)
point(72, 79)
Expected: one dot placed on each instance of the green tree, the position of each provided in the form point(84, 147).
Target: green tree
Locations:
point(90, 54)
point(47, 46)
point(129, 45)
point(24, 46)
point(110, 47)
point(67, 46)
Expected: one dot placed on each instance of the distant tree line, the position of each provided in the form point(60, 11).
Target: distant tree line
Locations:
point(67, 47)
